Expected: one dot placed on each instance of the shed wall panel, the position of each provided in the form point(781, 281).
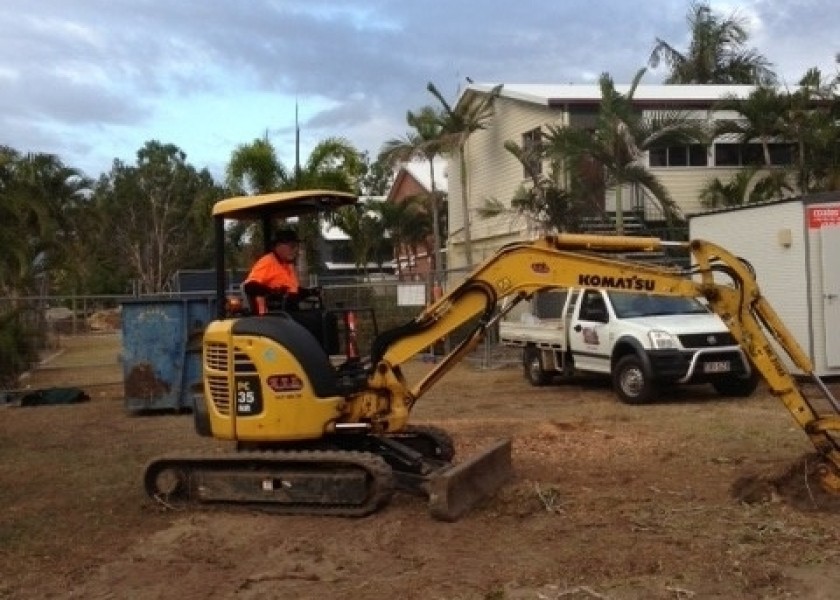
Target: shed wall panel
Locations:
point(754, 234)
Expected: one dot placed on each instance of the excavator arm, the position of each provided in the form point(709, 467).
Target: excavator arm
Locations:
point(518, 270)
point(750, 317)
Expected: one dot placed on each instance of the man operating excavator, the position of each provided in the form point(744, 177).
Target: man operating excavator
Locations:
point(274, 276)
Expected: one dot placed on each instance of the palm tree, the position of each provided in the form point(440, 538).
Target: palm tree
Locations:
point(333, 164)
point(255, 168)
point(716, 53)
point(762, 116)
point(360, 228)
point(13, 218)
point(717, 194)
point(618, 143)
point(546, 204)
point(459, 123)
point(425, 141)
point(743, 188)
point(812, 123)
point(408, 226)
point(39, 196)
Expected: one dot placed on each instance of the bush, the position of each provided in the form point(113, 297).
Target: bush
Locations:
point(18, 346)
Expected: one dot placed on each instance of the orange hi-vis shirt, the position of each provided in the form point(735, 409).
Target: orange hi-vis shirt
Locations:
point(270, 272)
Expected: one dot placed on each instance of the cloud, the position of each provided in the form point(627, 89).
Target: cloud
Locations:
point(82, 79)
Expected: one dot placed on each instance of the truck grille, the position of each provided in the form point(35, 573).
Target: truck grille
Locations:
point(707, 340)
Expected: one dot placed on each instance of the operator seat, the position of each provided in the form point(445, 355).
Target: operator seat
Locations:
point(320, 323)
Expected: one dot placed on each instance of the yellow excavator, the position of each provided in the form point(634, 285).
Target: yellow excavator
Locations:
point(319, 437)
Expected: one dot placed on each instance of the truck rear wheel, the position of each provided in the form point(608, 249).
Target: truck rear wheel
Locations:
point(533, 365)
point(631, 381)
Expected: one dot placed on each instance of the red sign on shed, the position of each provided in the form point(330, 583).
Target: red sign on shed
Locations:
point(823, 216)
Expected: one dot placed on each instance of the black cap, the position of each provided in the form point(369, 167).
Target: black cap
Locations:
point(285, 236)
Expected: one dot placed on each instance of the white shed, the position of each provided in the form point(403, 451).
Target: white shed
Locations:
point(794, 246)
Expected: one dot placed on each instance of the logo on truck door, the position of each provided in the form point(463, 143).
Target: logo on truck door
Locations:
point(590, 336)
point(618, 283)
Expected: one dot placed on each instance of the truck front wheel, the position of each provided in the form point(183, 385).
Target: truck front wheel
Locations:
point(632, 382)
point(534, 371)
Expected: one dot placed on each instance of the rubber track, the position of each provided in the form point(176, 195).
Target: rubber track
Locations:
point(380, 477)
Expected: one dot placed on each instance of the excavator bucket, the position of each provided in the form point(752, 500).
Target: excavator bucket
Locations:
point(455, 491)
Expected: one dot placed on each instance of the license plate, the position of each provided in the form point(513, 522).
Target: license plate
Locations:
point(718, 366)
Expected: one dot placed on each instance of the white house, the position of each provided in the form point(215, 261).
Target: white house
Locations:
point(524, 110)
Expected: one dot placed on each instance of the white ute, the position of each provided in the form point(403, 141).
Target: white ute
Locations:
point(643, 341)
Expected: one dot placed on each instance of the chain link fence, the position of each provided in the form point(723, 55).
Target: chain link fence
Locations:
point(54, 323)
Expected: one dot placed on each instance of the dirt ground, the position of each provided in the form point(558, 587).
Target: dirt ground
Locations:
point(693, 497)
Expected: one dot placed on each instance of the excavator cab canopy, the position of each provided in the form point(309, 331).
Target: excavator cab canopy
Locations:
point(267, 210)
point(281, 204)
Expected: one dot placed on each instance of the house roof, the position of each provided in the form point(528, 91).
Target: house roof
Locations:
point(420, 171)
point(573, 93)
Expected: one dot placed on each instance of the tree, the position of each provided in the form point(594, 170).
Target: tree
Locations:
point(255, 169)
point(333, 164)
point(458, 124)
point(376, 176)
point(746, 186)
point(363, 228)
point(716, 53)
point(762, 117)
point(813, 123)
point(408, 226)
point(38, 198)
point(15, 259)
point(160, 214)
point(425, 141)
point(546, 204)
point(621, 136)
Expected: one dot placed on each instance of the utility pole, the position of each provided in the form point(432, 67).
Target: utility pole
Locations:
point(297, 146)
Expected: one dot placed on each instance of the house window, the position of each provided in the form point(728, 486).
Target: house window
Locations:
point(741, 155)
point(691, 155)
point(532, 152)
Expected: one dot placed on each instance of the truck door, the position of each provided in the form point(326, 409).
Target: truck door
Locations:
point(830, 238)
point(589, 333)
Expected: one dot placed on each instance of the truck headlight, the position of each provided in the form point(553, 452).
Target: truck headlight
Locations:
point(662, 340)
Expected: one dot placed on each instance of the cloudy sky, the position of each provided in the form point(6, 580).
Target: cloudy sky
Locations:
point(93, 80)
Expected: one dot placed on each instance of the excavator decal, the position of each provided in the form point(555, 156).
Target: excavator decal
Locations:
point(248, 395)
point(618, 283)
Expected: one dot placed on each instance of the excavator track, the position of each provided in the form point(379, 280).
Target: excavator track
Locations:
point(322, 482)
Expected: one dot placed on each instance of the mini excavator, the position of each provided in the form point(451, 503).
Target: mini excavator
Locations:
point(319, 438)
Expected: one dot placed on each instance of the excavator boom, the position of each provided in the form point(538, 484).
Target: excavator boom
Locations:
point(726, 282)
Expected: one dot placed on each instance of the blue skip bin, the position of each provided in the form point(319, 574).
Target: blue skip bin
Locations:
point(162, 351)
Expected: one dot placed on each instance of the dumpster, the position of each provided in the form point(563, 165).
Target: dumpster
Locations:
point(161, 354)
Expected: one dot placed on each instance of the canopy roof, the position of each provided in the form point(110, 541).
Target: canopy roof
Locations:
point(281, 204)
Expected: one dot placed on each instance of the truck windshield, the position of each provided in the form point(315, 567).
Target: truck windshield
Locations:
point(628, 305)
